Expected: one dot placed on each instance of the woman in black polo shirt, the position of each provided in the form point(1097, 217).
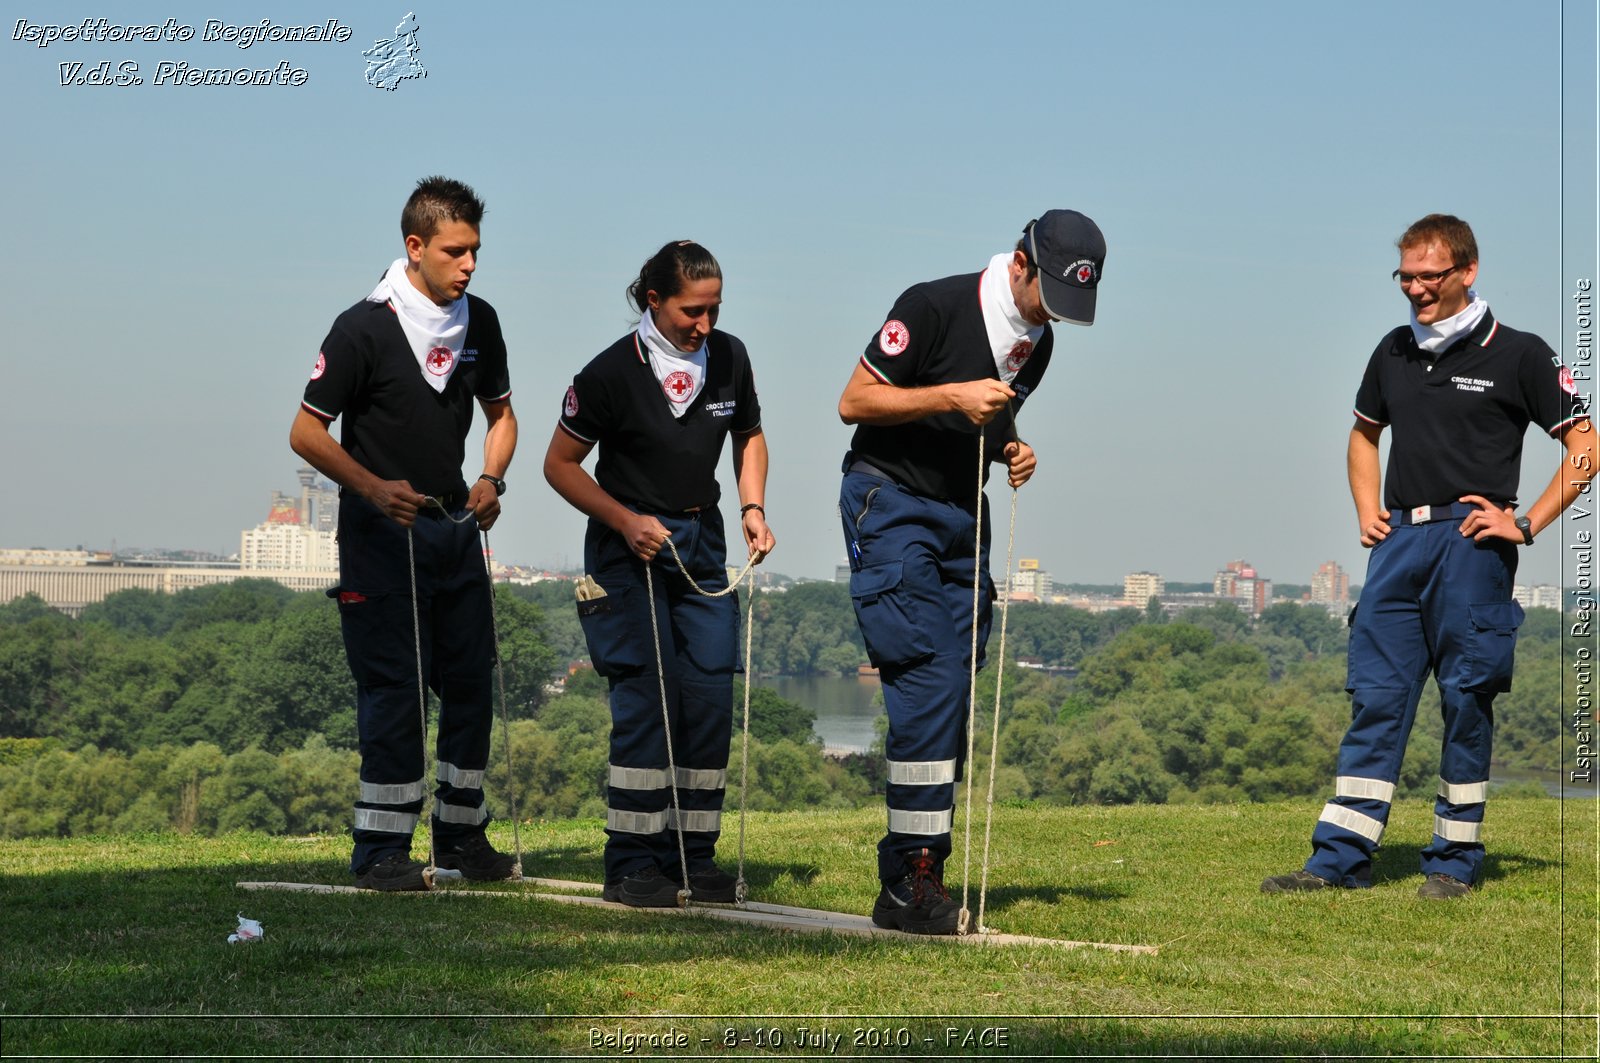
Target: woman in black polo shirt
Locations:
point(659, 402)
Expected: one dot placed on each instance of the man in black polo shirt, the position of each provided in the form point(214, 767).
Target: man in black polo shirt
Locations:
point(1459, 389)
point(944, 375)
point(403, 367)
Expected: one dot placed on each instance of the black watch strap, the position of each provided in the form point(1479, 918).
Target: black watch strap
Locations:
point(1525, 526)
point(495, 482)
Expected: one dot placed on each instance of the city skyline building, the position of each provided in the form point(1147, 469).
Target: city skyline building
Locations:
point(1139, 587)
point(1537, 596)
point(1330, 586)
point(283, 542)
point(1239, 582)
point(1030, 582)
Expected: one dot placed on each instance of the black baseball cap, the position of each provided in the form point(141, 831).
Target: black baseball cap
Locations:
point(1070, 253)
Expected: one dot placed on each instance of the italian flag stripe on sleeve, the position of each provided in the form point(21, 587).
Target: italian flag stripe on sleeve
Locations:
point(869, 367)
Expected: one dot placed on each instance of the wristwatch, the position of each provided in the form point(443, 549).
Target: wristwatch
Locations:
point(499, 486)
point(1525, 526)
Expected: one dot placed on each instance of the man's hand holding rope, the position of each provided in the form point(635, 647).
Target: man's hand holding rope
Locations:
point(484, 502)
point(645, 535)
point(1020, 462)
point(398, 500)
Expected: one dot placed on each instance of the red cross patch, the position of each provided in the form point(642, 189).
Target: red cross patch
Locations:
point(440, 359)
point(893, 338)
point(1568, 384)
point(571, 405)
point(320, 368)
point(678, 385)
point(1019, 354)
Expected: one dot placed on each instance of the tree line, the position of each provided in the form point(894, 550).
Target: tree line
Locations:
point(231, 706)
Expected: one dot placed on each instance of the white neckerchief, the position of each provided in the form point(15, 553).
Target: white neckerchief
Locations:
point(1011, 338)
point(681, 375)
point(1441, 334)
point(436, 333)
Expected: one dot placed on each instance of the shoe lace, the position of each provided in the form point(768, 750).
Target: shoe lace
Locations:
point(925, 880)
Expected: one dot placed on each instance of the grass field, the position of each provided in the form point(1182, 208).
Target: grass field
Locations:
point(115, 947)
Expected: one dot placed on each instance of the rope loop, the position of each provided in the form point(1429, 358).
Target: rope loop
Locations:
point(740, 889)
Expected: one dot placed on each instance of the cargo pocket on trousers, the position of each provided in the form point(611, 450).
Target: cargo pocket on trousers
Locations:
point(1491, 646)
point(892, 623)
point(378, 642)
point(615, 648)
point(711, 629)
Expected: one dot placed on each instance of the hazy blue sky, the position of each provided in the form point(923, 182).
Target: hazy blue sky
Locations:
point(177, 253)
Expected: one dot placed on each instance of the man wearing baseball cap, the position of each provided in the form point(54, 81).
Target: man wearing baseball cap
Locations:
point(945, 374)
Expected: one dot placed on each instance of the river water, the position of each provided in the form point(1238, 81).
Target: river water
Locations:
point(848, 706)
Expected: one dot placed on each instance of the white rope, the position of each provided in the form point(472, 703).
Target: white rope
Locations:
point(666, 729)
point(422, 694)
point(994, 737)
point(505, 712)
point(500, 677)
point(740, 889)
point(964, 921)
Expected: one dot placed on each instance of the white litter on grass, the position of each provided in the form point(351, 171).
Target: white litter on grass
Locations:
point(249, 930)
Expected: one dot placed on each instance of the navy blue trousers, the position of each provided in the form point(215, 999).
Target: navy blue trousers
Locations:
point(1434, 601)
point(699, 654)
point(911, 569)
point(457, 642)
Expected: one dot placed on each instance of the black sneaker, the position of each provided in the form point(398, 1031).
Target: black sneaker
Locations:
point(713, 886)
point(476, 859)
point(1439, 887)
point(1294, 882)
point(395, 873)
point(646, 888)
point(918, 903)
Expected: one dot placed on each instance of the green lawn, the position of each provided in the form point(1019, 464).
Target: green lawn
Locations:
point(116, 947)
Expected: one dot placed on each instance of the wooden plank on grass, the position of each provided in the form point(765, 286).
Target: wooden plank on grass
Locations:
point(753, 913)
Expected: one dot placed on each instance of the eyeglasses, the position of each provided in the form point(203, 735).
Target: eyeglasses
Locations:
point(1427, 280)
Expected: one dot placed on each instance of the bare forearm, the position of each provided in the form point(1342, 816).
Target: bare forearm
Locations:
point(1361, 461)
point(884, 404)
point(499, 444)
point(573, 483)
point(1569, 481)
point(868, 400)
point(310, 439)
point(750, 467)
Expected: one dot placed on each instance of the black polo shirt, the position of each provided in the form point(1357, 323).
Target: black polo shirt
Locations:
point(650, 460)
point(935, 335)
point(395, 424)
point(1459, 415)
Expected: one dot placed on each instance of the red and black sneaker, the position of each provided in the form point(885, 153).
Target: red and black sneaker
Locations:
point(918, 903)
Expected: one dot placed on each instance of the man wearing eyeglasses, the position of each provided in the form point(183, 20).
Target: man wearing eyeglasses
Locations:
point(1459, 389)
